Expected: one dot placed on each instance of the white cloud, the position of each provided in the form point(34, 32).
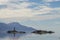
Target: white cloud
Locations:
point(55, 13)
point(18, 6)
point(21, 10)
point(15, 13)
point(42, 10)
point(50, 0)
point(45, 17)
point(3, 1)
point(14, 10)
point(18, 0)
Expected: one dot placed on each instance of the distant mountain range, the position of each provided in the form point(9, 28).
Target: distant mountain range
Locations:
point(19, 27)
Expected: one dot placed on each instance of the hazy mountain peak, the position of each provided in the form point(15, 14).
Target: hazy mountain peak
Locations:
point(14, 23)
point(17, 25)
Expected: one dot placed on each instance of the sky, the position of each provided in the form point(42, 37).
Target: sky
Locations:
point(31, 12)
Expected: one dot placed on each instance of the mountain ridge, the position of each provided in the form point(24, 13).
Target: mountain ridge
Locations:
point(19, 27)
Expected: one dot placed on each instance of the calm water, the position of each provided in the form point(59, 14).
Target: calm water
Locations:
point(30, 36)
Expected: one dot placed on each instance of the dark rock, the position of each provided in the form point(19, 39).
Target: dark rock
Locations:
point(50, 32)
point(42, 32)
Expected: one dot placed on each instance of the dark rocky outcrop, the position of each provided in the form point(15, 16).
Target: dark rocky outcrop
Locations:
point(42, 32)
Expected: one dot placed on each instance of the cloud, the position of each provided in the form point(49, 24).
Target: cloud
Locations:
point(54, 11)
point(42, 10)
point(20, 9)
point(45, 17)
point(52, 14)
point(3, 1)
point(16, 13)
point(15, 10)
point(50, 0)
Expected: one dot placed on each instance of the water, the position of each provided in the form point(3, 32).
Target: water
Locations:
point(30, 36)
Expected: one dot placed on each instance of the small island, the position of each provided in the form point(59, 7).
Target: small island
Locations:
point(14, 31)
point(42, 32)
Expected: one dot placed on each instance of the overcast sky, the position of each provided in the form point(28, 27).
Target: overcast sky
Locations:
point(30, 11)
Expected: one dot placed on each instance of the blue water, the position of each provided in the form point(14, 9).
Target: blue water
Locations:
point(31, 36)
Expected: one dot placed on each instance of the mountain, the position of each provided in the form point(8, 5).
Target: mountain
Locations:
point(6, 27)
point(3, 27)
point(19, 27)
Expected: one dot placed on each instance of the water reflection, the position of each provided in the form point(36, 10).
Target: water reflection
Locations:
point(6, 36)
point(28, 36)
